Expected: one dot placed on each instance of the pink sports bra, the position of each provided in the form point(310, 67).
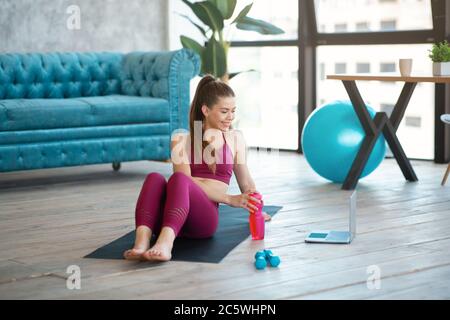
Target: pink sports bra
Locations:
point(224, 170)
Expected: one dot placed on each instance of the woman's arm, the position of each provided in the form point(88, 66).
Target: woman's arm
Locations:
point(244, 179)
point(240, 168)
point(237, 201)
point(241, 171)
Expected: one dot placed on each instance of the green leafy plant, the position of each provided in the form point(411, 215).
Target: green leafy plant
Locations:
point(440, 52)
point(216, 16)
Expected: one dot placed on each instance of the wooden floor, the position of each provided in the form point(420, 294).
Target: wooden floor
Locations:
point(51, 218)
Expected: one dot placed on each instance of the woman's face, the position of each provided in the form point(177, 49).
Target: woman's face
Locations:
point(221, 115)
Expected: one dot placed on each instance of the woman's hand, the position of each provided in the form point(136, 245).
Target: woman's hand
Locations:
point(243, 201)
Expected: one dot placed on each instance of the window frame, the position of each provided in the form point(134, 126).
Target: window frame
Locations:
point(309, 38)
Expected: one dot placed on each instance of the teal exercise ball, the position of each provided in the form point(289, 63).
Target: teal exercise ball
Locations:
point(331, 139)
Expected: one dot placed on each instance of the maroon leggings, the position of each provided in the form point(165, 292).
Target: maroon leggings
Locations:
point(179, 204)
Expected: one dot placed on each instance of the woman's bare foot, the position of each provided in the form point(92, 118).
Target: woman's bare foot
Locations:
point(159, 252)
point(141, 244)
point(134, 254)
point(162, 250)
point(266, 216)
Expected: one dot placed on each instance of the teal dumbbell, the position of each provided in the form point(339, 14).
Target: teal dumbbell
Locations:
point(274, 261)
point(260, 254)
point(260, 260)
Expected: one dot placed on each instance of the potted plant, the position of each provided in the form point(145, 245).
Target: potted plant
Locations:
point(216, 16)
point(440, 54)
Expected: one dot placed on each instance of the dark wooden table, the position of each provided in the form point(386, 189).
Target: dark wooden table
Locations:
point(381, 122)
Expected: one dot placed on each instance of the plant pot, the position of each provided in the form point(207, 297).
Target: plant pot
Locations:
point(441, 68)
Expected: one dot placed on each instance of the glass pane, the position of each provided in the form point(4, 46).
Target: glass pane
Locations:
point(416, 131)
point(281, 13)
point(337, 16)
point(267, 99)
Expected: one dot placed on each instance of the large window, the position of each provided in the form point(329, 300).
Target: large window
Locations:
point(337, 16)
point(325, 37)
point(267, 99)
point(416, 132)
point(382, 20)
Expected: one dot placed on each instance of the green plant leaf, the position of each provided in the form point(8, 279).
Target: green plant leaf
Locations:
point(440, 52)
point(207, 13)
point(243, 13)
point(262, 27)
point(226, 7)
point(189, 43)
point(214, 58)
point(200, 28)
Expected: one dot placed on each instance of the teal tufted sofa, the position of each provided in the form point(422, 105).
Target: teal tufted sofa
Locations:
point(70, 109)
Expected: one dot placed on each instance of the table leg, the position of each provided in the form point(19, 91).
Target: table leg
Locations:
point(363, 154)
point(402, 104)
point(392, 126)
point(399, 154)
point(373, 129)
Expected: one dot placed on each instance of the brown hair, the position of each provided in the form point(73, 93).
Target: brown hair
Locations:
point(208, 92)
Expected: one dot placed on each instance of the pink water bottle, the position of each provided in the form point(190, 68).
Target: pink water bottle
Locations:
point(256, 219)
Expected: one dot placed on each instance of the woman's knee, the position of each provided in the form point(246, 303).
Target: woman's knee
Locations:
point(155, 179)
point(155, 176)
point(178, 176)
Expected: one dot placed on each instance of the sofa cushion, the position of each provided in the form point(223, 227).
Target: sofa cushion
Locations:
point(32, 114)
point(99, 132)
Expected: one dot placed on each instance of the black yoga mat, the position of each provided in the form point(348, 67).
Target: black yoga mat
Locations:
point(233, 229)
